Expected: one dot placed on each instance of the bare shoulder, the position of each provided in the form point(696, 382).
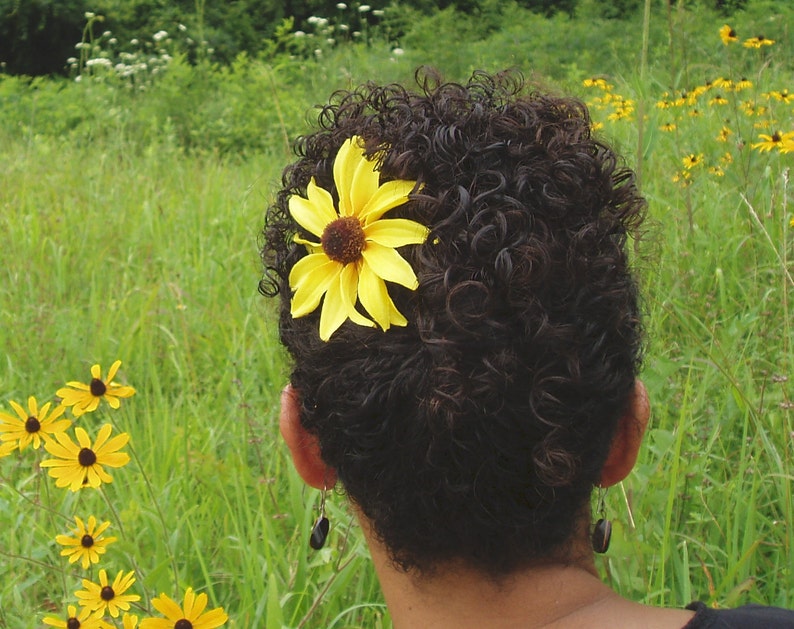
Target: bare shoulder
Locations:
point(617, 612)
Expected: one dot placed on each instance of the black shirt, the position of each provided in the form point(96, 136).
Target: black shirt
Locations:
point(745, 617)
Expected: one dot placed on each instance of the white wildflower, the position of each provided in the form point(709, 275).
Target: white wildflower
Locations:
point(99, 61)
point(341, 6)
point(364, 8)
point(159, 35)
point(397, 52)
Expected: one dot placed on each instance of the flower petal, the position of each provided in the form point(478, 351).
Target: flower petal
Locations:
point(312, 286)
point(374, 296)
point(101, 438)
point(389, 265)
point(168, 607)
point(355, 177)
point(396, 232)
point(112, 371)
point(388, 196)
point(20, 411)
point(313, 213)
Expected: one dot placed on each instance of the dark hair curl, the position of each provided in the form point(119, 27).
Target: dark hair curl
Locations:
point(477, 432)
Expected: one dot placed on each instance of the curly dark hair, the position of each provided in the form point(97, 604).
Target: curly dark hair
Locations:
point(477, 432)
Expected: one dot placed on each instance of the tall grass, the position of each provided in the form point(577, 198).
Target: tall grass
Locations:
point(131, 222)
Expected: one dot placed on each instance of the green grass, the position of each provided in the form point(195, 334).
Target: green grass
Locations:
point(130, 227)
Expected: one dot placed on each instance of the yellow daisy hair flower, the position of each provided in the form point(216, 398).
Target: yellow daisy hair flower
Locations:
point(32, 427)
point(85, 398)
point(190, 615)
point(86, 619)
point(108, 598)
point(354, 253)
point(87, 543)
point(80, 464)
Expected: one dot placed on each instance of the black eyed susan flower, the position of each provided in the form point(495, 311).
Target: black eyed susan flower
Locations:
point(355, 250)
point(743, 84)
point(87, 543)
point(724, 134)
point(775, 141)
point(79, 464)
point(692, 160)
point(32, 427)
point(190, 615)
point(757, 42)
point(783, 96)
point(86, 619)
point(106, 598)
point(668, 126)
point(85, 398)
point(718, 99)
point(728, 35)
point(682, 178)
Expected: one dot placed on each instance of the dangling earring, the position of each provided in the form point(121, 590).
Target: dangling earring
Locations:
point(602, 531)
point(321, 525)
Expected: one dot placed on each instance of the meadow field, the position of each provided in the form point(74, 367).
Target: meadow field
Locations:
point(131, 204)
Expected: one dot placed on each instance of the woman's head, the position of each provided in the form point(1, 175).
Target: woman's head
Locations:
point(477, 431)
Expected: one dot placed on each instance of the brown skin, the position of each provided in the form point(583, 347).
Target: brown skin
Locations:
point(564, 594)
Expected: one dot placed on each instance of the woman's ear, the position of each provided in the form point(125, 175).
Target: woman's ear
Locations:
point(628, 438)
point(303, 445)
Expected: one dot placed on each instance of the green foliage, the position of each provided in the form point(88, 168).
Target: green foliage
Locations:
point(36, 36)
point(131, 208)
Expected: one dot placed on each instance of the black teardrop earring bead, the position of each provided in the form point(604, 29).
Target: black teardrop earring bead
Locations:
point(602, 535)
point(321, 525)
point(319, 533)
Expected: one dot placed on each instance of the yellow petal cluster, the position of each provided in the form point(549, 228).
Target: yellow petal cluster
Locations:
point(192, 611)
point(85, 398)
point(80, 464)
point(354, 253)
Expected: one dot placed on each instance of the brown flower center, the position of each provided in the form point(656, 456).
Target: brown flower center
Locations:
point(97, 387)
point(183, 623)
point(72, 623)
point(107, 593)
point(86, 457)
point(32, 424)
point(343, 240)
point(776, 137)
point(87, 541)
